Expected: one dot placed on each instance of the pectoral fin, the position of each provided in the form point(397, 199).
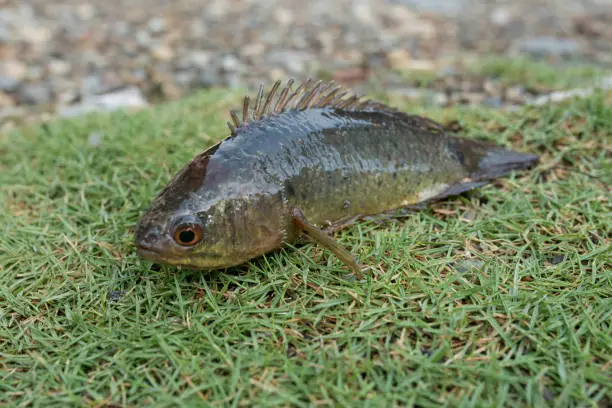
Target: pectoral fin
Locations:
point(326, 241)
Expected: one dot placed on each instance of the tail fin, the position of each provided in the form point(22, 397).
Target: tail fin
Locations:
point(499, 162)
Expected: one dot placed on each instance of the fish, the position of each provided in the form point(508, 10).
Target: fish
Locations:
point(307, 162)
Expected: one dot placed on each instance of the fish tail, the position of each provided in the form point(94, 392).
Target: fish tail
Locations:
point(498, 162)
point(484, 162)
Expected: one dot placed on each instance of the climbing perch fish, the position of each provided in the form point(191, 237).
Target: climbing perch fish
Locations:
point(310, 160)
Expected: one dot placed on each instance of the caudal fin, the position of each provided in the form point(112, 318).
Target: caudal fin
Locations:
point(486, 161)
point(498, 162)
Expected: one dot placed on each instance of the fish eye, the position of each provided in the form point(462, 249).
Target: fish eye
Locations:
point(187, 234)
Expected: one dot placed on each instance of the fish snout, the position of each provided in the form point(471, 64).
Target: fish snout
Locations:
point(147, 237)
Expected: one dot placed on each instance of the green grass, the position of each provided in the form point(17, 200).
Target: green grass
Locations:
point(498, 298)
point(533, 75)
point(537, 74)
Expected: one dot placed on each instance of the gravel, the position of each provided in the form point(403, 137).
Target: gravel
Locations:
point(61, 53)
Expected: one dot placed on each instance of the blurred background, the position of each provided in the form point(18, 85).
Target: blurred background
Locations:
point(69, 57)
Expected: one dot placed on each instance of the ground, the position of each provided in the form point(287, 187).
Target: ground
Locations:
point(496, 298)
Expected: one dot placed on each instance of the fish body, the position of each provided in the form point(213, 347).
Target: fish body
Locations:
point(317, 163)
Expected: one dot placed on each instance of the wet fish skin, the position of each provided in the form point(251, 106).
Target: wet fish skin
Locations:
point(328, 163)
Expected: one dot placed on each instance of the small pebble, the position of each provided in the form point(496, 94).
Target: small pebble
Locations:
point(200, 59)
point(35, 94)
point(6, 101)
point(501, 16)
point(35, 34)
point(162, 52)
point(9, 84)
point(230, 63)
point(144, 39)
point(59, 67)
point(185, 78)
point(12, 72)
point(116, 295)
point(283, 16)
point(292, 61)
point(253, 50)
point(514, 94)
point(208, 78)
point(440, 99)
point(198, 29)
point(91, 84)
point(557, 259)
point(157, 25)
point(85, 11)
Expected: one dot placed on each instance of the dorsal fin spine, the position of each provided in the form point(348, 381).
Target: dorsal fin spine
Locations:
point(283, 96)
point(235, 119)
point(308, 95)
point(271, 94)
point(258, 103)
point(245, 109)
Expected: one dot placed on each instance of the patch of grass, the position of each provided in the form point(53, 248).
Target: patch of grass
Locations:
point(498, 298)
point(536, 74)
point(532, 74)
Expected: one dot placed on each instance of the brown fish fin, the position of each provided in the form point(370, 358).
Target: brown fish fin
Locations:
point(308, 95)
point(326, 241)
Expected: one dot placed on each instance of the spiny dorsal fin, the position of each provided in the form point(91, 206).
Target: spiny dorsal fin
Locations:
point(308, 95)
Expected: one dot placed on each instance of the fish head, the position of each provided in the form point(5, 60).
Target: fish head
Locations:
point(204, 219)
point(175, 239)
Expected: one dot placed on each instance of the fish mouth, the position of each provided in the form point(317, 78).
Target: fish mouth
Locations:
point(147, 252)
